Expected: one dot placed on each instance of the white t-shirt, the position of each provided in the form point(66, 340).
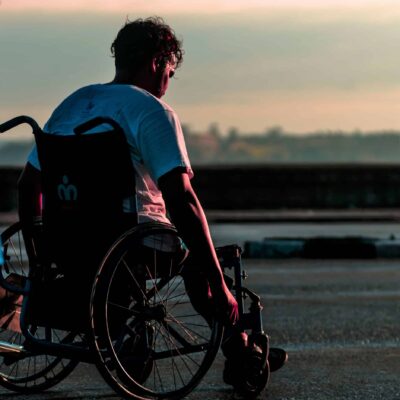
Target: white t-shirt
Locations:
point(153, 132)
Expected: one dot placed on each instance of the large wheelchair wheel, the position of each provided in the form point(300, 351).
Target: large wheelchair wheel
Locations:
point(150, 341)
point(25, 371)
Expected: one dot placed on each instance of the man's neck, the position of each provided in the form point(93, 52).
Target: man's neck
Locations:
point(122, 77)
point(138, 79)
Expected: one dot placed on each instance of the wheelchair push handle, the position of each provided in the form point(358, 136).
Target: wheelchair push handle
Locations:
point(22, 119)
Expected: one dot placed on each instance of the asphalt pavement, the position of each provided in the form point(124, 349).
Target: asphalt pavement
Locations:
point(338, 319)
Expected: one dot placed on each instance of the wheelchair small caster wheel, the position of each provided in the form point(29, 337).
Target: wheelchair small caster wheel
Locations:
point(255, 367)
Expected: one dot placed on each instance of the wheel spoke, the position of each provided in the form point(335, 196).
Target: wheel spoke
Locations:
point(180, 346)
point(32, 372)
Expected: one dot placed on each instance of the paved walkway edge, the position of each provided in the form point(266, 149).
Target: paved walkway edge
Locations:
point(315, 247)
point(323, 247)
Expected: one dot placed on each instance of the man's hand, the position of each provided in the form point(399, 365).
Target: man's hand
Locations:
point(221, 304)
point(226, 306)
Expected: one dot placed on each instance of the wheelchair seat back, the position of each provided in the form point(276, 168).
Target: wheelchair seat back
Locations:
point(86, 179)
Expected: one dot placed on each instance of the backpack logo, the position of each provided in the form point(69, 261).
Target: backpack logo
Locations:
point(67, 191)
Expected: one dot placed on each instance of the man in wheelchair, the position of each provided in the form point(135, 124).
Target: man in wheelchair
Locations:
point(147, 54)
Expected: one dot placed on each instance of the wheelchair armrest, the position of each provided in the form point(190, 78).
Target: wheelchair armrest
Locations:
point(229, 256)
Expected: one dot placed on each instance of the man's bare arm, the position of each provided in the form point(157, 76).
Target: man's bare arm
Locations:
point(188, 216)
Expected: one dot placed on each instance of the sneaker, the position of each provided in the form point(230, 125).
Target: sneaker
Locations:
point(233, 369)
point(233, 348)
point(277, 358)
point(247, 374)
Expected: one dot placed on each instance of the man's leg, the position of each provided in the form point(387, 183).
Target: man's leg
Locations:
point(235, 344)
point(198, 290)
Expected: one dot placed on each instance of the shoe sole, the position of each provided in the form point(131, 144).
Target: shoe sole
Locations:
point(277, 358)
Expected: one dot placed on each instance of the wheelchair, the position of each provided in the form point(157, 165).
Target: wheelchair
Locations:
point(120, 303)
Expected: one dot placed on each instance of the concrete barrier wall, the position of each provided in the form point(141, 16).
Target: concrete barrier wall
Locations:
point(275, 187)
point(299, 186)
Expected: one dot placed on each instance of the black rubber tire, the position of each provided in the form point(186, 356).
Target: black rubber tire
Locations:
point(32, 373)
point(158, 307)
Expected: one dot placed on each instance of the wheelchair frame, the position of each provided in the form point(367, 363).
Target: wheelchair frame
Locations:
point(231, 263)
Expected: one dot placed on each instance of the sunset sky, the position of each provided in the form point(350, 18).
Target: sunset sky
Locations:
point(251, 64)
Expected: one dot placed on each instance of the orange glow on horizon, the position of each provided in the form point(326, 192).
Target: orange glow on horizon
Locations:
point(182, 6)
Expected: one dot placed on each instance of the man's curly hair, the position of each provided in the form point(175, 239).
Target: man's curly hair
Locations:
point(143, 39)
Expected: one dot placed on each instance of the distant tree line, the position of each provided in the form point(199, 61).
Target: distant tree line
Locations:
point(272, 146)
point(277, 146)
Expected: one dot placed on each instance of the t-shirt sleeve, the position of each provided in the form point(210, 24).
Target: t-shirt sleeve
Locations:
point(162, 145)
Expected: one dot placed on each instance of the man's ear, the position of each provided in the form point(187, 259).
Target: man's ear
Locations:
point(154, 65)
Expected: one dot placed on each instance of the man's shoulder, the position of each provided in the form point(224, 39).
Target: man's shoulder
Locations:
point(114, 99)
point(109, 91)
point(146, 97)
point(140, 98)
point(130, 92)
